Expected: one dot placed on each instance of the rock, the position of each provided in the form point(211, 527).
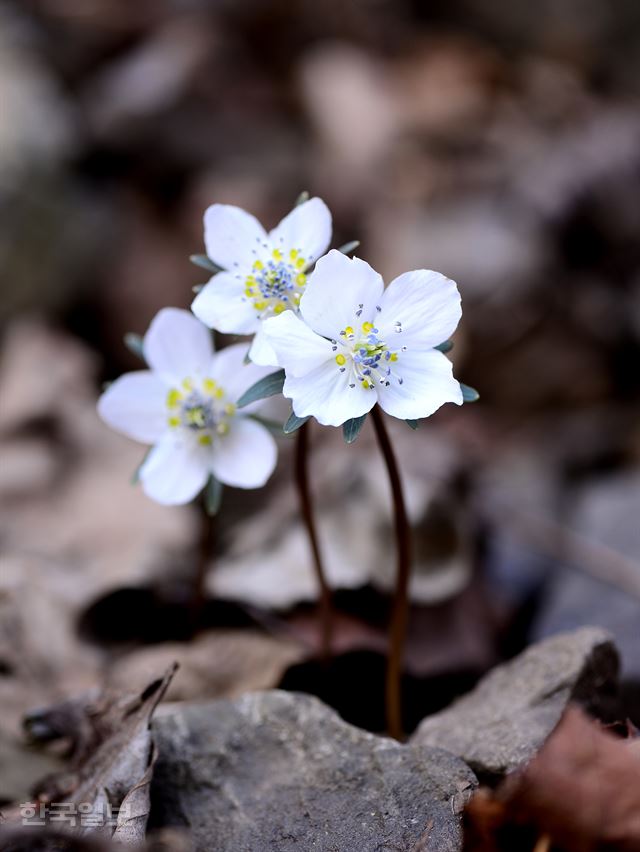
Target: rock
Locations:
point(511, 712)
point(276, 770)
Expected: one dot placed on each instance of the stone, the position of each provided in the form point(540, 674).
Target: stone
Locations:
point(510, 713)
point(281, 771)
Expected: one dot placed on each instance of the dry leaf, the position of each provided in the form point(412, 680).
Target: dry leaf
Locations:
point(581, 793)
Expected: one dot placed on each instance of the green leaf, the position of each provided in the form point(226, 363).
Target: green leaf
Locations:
point(205, 262)
point(134, 344)
point(445, 347)
point(268, 386)
point(293, 423)
point(469, 394)
point(347, 248)
point(135, 476)
point(213, 496)
point(351, 429)
point(304, 196)
point(413, 424)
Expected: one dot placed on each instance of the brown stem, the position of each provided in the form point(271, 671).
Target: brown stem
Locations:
point(306, 509)
point(204, 554)
point(400, 610)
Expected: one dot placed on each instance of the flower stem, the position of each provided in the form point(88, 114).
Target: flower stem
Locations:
point(400, 610)
point(306, 509)
point(204, 554)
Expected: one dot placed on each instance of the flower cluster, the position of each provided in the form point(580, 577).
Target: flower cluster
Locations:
point(345, 344)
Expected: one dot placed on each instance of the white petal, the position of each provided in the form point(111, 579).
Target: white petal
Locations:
point(426, 303)
point(325, 394)
point(307, 228)
point(177, 345)
point(246, 456)
point(336, 289)
point(233, 238)
point(230, 369)
point(222, 304)
point(262, 352)
point(135, 404)
point(427, 383)
point(298, 349)
point(175, 471)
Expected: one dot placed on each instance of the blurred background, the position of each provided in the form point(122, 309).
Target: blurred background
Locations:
point(496, 142)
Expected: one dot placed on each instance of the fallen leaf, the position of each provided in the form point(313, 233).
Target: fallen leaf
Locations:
point(110, 772)
point(581, 793)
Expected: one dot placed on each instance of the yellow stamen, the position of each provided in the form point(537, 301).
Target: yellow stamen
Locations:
point(279, 307)
point(222, 428)
point(348, 330)
point(277, 254)
point(259, 306)
point(301, 279)
point(293, 254)
point(340, 359)
point(174, 398)
point(218, 393)
point(230, 409)
point(367, 327)
point(205, 440)
point(187, 384)
point(393, 356)
point(258, 265)
point(209, 385)
point(173, 421)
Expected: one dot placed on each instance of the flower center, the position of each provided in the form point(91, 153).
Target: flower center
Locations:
point(200, 409)
point(369, 357)
point(276, 284)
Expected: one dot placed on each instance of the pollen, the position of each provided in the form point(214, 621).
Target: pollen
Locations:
point(230, 409)
point(174, 397)
point(277, 254)
point(218, 393)
point(340, 359)
point(205, 440)
point(293, 254)
point(367, 327)
point(258, 264)
point(173, 421)
point(348, 331)
point(259, 306)
point(300, 263)
point(301, 279)
point(187, 384)
point(393, 356)
point(222, 428)
point(279, 307)
point(209, 385)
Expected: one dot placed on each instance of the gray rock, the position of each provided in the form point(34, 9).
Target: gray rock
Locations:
point(510, 713)
point(281, 771)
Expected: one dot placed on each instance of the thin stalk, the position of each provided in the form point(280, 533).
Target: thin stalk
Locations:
point(400, 609)
point(301, 466)
point(204, 554)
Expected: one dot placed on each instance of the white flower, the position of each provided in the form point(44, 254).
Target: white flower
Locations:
point(356, 344)
point(265, 274)
point(185, 406)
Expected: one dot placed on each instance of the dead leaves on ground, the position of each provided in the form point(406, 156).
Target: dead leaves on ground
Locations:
point(581, 793)
point(112, 761)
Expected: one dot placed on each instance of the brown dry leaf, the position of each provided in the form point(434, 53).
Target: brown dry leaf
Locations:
point(580, 794)
point(113, 761)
